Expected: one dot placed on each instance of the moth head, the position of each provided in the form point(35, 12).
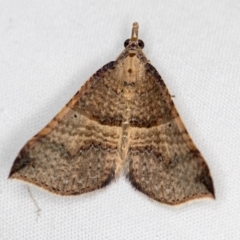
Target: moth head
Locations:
point(133, 44)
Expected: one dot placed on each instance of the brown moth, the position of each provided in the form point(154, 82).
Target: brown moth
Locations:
point(122, 120)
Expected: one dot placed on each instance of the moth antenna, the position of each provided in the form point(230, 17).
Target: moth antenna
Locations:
point(135, 31)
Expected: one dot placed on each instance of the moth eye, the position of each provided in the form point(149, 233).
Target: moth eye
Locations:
point(141, 44)
point(126, 42)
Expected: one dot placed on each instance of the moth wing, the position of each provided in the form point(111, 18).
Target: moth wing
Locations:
point(163, 161)
point(77, 151)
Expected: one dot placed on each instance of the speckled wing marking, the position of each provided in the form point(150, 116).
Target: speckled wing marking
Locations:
point(163, 161)
point(122, 119)
point(77, 151)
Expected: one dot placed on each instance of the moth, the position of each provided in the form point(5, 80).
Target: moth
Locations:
point(121, 120)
